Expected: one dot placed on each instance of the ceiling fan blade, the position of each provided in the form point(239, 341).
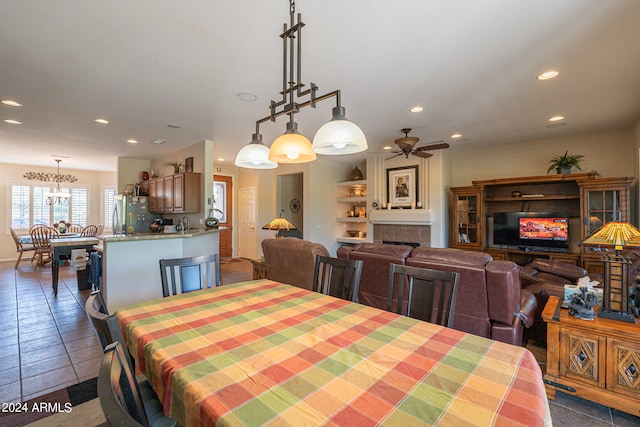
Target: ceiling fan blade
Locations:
point(393, 157)
point(422, 154)
point(433, 147)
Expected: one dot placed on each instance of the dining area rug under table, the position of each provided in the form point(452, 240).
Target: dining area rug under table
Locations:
point(265, 353)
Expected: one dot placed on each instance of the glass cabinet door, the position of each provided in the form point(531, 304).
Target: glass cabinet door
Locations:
point(466, 219)
point(602, 207)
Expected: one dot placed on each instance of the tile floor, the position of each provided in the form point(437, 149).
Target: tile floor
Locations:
point(47, 343)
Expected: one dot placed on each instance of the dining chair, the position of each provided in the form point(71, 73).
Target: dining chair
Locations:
point(189, 274)
point(89, 231)
point(337, 277)
point(21, 248)
point(105, 324)
point(100, 229)
point(431, 294)
point(41, 237)
point(75, 228)
point(124, 400)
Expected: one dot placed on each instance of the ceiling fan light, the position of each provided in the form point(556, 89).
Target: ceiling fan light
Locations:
point(339, 136)
point(291, 147)
point(255, 155)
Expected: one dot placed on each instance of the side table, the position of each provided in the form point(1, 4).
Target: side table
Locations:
point(259, 269)
point(597, 360)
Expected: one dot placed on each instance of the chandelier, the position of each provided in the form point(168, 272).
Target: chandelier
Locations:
point(338, 136)
point(57, 196)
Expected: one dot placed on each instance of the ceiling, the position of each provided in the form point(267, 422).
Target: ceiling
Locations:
point(143, 65)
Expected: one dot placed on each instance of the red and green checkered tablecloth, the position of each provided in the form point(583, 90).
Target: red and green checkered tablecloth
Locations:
point(264, 353)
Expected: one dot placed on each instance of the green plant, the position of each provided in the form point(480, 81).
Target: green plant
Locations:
point(565, 160)
point(176, 166)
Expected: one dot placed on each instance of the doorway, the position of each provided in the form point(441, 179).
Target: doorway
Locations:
point(222, 204)
point(289, 199)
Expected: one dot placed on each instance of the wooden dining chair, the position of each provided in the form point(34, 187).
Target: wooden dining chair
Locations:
point(181, 275)
point(337, 277)
point(41, 238)
point(105, 324)
point(21, 248)
point(124, 400)
point(89, 231)
point(75, 228)
point(431, 294)
point(100, 229)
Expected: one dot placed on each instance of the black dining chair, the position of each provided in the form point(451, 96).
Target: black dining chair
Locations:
point(430, 294)
point(124, 400)
point(337, 277)
point(181, 275)
point(105, 324)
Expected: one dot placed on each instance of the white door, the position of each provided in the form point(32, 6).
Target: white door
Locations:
point(247, 233)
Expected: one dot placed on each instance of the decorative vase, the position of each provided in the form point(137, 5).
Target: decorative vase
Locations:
point(356, 174)
point(212, 222)
point(563, 170)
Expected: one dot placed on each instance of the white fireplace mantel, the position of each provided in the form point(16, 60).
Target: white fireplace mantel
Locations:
point(402, 216)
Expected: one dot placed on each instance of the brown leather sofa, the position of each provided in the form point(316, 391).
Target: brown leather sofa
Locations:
point(490, 301)
point(291, 260)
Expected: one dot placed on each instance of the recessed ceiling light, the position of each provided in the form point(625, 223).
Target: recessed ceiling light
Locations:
point(11, 103)
point(132, 141)
point(456, 136)
point(548, 75)
point(386, 147)
point(245, 96)
point(556, 118)
point(416, 109)
point(220, 159)
point(13, 122)
point(102, 121)
point(173, 126)
point(158, 141)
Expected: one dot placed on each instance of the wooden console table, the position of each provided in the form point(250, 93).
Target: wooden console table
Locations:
point(597, 360)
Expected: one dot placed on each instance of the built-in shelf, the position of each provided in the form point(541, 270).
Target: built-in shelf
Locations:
point(354, 219)
point(362, 183)
point(352, 199)
point(522, 198)
point(350, 240)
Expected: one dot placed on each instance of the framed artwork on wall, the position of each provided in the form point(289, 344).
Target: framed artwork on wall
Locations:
point(188, 164)
point(402, 186)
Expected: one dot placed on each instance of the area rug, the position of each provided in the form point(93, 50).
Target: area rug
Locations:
point(76, 405)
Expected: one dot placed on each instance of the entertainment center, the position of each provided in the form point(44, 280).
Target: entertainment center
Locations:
point(546, 216)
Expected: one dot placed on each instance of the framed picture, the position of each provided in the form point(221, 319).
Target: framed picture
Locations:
point(188, 164)
point(402, 186)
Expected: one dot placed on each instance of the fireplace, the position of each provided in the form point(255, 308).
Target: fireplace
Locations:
point(413, 235)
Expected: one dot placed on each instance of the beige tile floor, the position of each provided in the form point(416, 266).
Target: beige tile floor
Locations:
point(47, 343)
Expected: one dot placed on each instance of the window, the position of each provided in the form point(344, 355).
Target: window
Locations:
point(108, 203)
point(29, 206)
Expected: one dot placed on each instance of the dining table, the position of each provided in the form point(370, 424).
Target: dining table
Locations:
point(61, 248)
point(266, 353)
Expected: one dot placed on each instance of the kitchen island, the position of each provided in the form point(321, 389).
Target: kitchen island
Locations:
point(130, 262)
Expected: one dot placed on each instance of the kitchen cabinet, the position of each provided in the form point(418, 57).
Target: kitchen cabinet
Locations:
point(177, 193)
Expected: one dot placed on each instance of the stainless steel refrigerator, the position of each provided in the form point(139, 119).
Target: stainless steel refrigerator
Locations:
point(131, 214)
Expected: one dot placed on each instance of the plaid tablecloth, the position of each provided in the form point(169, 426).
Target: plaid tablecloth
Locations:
point(264, 353)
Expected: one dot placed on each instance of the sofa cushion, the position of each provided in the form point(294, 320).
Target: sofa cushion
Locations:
point(562, 269)
point(459, 256)
point(503, 290)
point(396, 251)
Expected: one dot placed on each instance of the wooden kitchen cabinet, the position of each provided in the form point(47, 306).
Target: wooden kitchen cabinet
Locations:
point(597, 360)
point(177, 193)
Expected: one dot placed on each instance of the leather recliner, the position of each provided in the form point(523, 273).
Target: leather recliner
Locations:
point(291, 260)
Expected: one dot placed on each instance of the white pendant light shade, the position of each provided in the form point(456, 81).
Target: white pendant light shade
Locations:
point(339, 136)
point(255, 155)
point(291, 147)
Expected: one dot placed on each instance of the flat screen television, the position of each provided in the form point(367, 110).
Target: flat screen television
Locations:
point(531, 229)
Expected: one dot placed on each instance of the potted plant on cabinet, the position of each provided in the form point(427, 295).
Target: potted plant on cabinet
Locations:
point(563, 163)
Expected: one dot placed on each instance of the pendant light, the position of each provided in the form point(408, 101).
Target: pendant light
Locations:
point(338, 136)
point(255, 155)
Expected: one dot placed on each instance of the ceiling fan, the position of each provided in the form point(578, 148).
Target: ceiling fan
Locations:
point(407, 143)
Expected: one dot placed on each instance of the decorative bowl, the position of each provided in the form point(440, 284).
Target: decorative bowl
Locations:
point(353, 233)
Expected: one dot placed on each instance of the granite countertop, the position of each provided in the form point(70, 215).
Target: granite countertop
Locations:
point(195, 232)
